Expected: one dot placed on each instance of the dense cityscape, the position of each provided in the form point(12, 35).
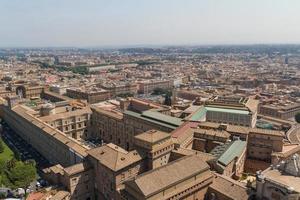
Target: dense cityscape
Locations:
point(161, 123)
point(149, 100)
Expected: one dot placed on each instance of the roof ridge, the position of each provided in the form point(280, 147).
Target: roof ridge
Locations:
point(116, 161)
point(164, 166)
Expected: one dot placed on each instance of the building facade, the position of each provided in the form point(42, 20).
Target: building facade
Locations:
point(147, 87)
point(91, 96)
point(71, 118)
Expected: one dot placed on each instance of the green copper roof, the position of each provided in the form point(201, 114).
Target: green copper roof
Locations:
point(234, 150)
point(227, 110)
point(198, 114)
point(160, 119)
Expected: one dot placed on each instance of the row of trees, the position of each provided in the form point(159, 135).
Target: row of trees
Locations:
point(17, 174)
point(125, 95)
point(14, 173)
point(166, 93)
point(1, 146)
point(297, 117)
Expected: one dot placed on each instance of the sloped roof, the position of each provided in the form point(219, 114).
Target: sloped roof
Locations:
point(47, 129)
point(227, 110)
point(198, 114)
point(64, 115)
point(211, 132)
point(164, 177)
point(114, 157)
point(77, 168)
point(160, 121)
point(162, 117)
point(152, 136)
point(229, 187)
point(266, 132)
point(237, 129)
point(234, 150)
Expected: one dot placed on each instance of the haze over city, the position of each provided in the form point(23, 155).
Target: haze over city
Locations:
point(100, 23)
point(150, 100)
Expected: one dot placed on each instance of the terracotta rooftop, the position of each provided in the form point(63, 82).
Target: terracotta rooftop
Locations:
point(164, 177)
point(77, 168)
point(209, 124)
point(63, 115)
point(23, 111)
point(112, 113)
point(114, 157)
point(57, 169)
point(36, 196)
point(237, 129)
point(152, 136)
point(266, 132)
point(181, 130)
point(211, 132)
point(60, 195)
point(186, 152)
point(229, 187)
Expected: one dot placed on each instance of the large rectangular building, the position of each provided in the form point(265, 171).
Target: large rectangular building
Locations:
point(229, 110)
point(120, 88)
point(177, 180)
point(53, 144)
point(147, 87)
point(72, 118)
point(90, 95)
point(119, 124)
point(280, 111)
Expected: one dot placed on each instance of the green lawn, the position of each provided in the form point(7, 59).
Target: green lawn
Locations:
point(7, 154)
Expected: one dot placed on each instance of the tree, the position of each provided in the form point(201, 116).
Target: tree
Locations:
point(1, 146)
point(11, 163)
point(2, 167)
point(168, 100)
point(17, 156)
point(22, 174)
point(158, 91)
point(125, 95)
point(297, 117)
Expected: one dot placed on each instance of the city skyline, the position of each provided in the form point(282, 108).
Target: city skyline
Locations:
point(140, 23)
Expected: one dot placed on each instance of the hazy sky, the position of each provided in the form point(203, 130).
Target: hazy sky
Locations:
point(142, 22)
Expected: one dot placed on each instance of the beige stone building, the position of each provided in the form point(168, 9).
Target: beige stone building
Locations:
point(112, 167)
point(54, 97)
point(72, 118)
point(241, 111)
point(155, 170)
point(230, 158)
point(156, 146)
point(262, 143)
point(22, 90)
point(280, 182)
point(263, 146)
point(108, 125)
point(27, 91)
point(117, 89)
point(185, 178)
point(53, 144)
point(206, 140)
point(280, 111)
point(119, 124)
point(228, 110)
point(146, 87)
point(224, 188)
point(77, 179)
point(91, 95)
